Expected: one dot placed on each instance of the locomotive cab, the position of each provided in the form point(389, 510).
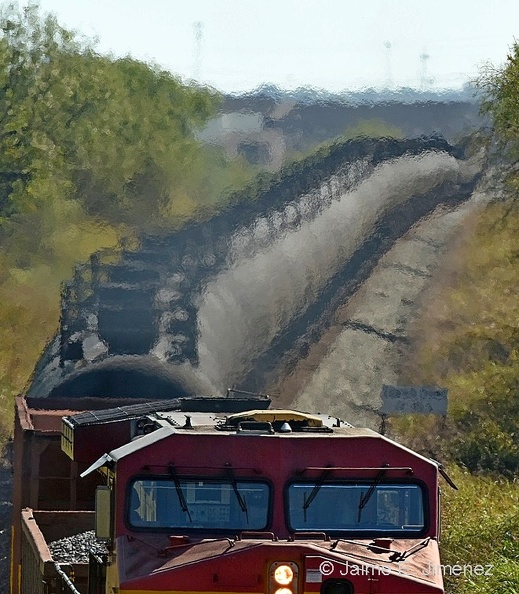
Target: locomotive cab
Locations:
point(267, 501)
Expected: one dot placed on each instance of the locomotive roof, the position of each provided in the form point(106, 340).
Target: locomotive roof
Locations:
point(84, 437)
point(192, 403)
point(164, 424)
point(218, 422)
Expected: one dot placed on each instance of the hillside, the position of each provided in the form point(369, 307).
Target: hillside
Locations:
point(268, 127)
point(466, 339)
point(441, 309)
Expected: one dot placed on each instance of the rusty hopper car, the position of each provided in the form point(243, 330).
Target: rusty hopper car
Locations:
point(261, 501)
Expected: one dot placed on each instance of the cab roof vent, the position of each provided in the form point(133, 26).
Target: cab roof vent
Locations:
point(255, 427)
point(278, 421)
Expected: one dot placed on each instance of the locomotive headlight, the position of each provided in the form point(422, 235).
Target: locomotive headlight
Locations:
point(283, 577)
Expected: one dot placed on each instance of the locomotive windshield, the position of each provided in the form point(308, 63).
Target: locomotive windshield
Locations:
point(198, 504)
point(354, 507)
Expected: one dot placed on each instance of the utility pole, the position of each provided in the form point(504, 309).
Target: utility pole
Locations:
point(425, 80)
point(198, 29)
point(389, 74)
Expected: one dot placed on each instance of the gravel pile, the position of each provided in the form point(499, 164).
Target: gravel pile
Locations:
point(75, 549)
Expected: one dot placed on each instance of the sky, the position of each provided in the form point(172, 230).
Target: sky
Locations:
point(336, 45)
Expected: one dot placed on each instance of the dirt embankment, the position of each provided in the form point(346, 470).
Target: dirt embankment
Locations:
point(368, 340)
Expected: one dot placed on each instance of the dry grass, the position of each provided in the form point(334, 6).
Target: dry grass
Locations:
point(468, 341)
point(481, 527)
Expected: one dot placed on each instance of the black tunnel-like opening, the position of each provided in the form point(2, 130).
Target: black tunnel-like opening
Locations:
point(124, 377)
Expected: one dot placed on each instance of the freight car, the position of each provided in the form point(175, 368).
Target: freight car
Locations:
point(257, 501)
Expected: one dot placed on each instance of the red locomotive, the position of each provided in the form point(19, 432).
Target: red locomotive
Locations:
point(259, 501)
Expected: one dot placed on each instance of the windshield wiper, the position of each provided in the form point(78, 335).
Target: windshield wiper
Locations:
point(241, 500)
point(313, 493)
point(443, 472)
point(402, 555)
point(364, 498)
point(180, 493)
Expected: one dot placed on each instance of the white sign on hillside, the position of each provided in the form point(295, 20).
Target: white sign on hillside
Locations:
point(403, 400)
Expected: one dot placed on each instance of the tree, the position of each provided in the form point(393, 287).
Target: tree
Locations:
point(499, 88)
point(116, 135)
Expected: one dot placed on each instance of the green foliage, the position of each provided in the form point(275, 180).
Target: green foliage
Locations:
point(468, 341)
point(117, 135)
point(500, 88)
point(487, 423)
point(93, 151)
point(480, 526)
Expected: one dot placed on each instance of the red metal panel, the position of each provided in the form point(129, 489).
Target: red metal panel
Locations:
point(92, 441)
point(277, 458)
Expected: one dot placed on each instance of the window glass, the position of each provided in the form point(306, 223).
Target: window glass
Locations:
point(199, 504)
point(355, 507)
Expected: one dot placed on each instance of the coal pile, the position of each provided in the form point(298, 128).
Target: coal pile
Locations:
point(76, 548)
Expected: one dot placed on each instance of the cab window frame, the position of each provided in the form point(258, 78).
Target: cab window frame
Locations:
point(196, 530)
point(365, 482)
